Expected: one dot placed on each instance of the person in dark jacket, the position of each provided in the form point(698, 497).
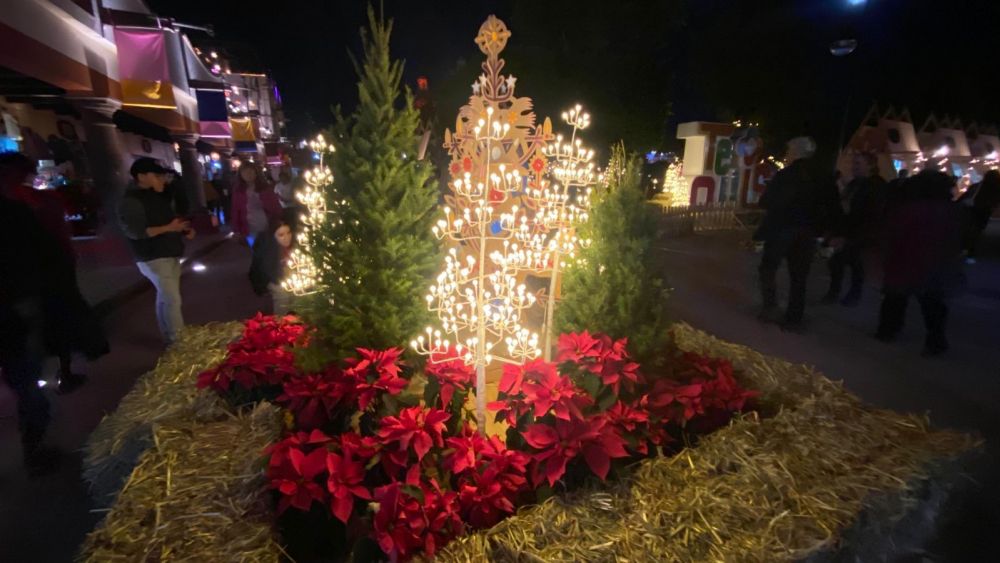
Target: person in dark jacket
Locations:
point(71, 325)
point(923, 257)
point(863, 202)
point(267, 268)
point(978, 205)
point(32, 273)
point(156, 236)
point(801, 203)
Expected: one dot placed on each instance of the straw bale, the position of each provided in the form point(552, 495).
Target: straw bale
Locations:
point(788, 487)
point(197, 495)
point(167, 392)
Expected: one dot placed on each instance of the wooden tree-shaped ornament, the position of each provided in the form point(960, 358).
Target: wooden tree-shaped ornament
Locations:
point(479, 298)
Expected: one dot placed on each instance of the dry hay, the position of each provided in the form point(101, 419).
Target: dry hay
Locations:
point(783, 488)
point(197, 495)
point(167, 392)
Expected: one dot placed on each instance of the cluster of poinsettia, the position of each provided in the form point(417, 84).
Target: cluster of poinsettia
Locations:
point(594, 405)
point(260, 360)
point(415, 475)
point(393, 454)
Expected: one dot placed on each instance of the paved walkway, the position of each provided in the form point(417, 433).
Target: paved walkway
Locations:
point(45, 519)
point(714, 281)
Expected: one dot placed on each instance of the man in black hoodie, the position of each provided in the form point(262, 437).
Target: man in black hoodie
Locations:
point(801, 203)
point(156, 235)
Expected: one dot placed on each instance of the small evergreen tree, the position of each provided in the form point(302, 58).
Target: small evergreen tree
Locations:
point(375, 260)
point(612, 288)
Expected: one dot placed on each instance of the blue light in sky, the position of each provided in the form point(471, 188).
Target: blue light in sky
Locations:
point(856, 2)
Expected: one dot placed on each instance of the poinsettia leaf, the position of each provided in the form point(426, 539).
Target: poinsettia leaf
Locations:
point(598, 461)
point(542, 493)
point(415, 492)
point(590, 383)
point(432, 391)
point(607, 398)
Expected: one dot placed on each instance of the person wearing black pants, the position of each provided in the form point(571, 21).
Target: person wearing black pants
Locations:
point(863, 208)
point(933, 307)
point(798, 249)
point(801, 203)
point(923, 257)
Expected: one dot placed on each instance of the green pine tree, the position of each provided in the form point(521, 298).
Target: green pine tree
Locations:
point(613, 289)
point(376, 261)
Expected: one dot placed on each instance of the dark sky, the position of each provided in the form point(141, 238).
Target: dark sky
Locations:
point(764, 60)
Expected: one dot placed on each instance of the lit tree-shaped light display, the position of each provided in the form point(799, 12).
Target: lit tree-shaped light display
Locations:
point(674, 186)
point(479, 298)
point(562, 203)
point(302, 274)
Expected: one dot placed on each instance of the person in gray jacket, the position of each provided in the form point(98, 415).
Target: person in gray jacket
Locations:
point(156, 235)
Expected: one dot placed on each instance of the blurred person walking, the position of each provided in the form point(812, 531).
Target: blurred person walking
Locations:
point(801, 203)
point(255, 206)
point(155, 233)
point(33, 273)
point(922, 257)
point(978, 205)
point(862, 201)
point(73, 325)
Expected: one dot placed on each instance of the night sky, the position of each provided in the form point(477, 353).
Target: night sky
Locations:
point(673, 60)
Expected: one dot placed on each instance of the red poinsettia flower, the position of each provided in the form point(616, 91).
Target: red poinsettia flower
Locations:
point(304, 441)
point(453, 375)
point(358, 446)
point(547, 390)
point(403, 526)
point(344, 484)
point(443, 514)
point(415, 427)
point(296, 475)
point(399, 525)
point(466, 164)
point(720, 389)
point(313, 398)
point(561, 443)
point(632, 421)
point(261, 356)
point(490, 492)
point(577, 346)
point(465, 448)
point(376, 372)
point(675, 401)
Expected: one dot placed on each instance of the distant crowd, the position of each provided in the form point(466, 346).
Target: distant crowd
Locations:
point(42, 310)
point(919, 226)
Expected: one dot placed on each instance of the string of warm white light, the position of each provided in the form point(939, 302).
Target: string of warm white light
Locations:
point(561, 205)
point(302, 274)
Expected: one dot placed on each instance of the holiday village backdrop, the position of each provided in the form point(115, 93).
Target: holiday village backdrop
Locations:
point(549, 411)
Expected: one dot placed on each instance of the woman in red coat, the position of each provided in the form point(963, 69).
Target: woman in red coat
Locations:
point(255, 206)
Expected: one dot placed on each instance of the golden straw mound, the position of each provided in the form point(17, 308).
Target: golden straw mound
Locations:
point(197, 495)
point(167, 392)
point(778, 489)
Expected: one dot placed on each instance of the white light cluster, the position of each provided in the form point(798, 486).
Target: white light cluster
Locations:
point(302, 274)
point(562, 203)
point(477, 297)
